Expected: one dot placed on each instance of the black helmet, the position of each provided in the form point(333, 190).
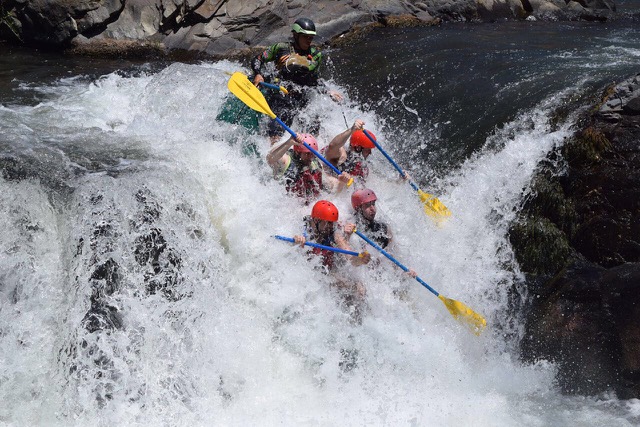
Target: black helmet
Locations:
point(304, 26)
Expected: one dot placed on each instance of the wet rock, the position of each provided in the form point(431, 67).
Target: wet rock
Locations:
point(230, 27)
point(578, 241)
point(575, 329)
point(452, 10)
point(160, 262)
point(633, 106)
point(139, 20)
point(105, 282)
point(621, 284)
point(96, 20)
point(494, 10)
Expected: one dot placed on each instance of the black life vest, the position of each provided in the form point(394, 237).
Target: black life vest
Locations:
point(376, 231)
point(296, 66)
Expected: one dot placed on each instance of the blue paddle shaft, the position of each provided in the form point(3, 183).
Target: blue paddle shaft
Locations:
point(319, 246)
point(384, 153)
point(270, 85)
point(318, 155)
point(396, 262)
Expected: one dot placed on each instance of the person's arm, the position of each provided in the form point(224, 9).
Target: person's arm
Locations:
point(315, 66)
point(277, 156)
point(257, 62)
point(342, 242)
point(335, 184)
point(300, 240)
point(335, 150)
point(404, 177)
point(256, 67)
point(324, 89)
point(336, 96)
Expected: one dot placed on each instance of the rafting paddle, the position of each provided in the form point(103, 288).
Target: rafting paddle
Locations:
point(275, 87)
point(241, 87)
point(319, 246)
point(432, 206)
point(458, 310)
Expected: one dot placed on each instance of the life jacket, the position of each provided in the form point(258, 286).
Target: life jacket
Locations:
point(328, 260)
point(302, 180)
point(328, 257)
point(375, 230)
point(355, 165)
point(299, 67)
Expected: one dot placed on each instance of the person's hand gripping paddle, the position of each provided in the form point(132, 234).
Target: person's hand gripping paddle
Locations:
point(432, 206)
point(474, 321)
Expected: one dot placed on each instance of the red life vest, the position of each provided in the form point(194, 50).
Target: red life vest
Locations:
point(355, 165)
point(303, 181)
point(327, 257)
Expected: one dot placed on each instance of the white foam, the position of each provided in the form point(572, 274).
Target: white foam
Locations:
point(257, 337)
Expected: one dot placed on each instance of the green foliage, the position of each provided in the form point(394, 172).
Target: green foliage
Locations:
point(8, 20)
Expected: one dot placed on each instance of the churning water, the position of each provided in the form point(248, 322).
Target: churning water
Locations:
point(140, 283)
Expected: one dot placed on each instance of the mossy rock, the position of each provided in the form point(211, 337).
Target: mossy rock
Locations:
point(540, 247)
point(587, 147)
point(550, 200)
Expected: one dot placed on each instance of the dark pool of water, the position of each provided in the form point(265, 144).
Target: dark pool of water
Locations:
point(455, 84)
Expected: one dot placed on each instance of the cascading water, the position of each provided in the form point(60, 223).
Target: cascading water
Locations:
point(140, 283)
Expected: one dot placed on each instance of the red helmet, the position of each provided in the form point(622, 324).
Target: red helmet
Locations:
point(311, 142)
point(360, 197)
point(325, 210)
point(359, 139)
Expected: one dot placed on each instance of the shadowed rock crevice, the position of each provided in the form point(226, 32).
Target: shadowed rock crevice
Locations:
point(96, 21)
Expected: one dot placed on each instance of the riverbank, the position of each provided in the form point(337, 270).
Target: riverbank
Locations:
point(215, 29)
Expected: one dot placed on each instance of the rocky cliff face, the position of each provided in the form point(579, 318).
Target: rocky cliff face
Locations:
point(578, 240)
point(226, 27)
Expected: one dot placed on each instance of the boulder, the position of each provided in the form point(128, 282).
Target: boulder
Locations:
point(139, 20)
point(493, 10)
point(251, 24)
point(99, 18)
point(578, 242)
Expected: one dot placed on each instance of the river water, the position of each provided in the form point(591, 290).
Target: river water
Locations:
point(140, 284)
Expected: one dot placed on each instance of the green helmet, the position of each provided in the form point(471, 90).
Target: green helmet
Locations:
point(304, 26)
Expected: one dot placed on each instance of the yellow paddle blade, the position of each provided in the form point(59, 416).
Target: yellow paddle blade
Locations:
point(241, 87)
point(464, 314)
point(432, 206)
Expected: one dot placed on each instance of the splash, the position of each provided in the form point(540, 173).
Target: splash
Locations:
point(140, 283)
